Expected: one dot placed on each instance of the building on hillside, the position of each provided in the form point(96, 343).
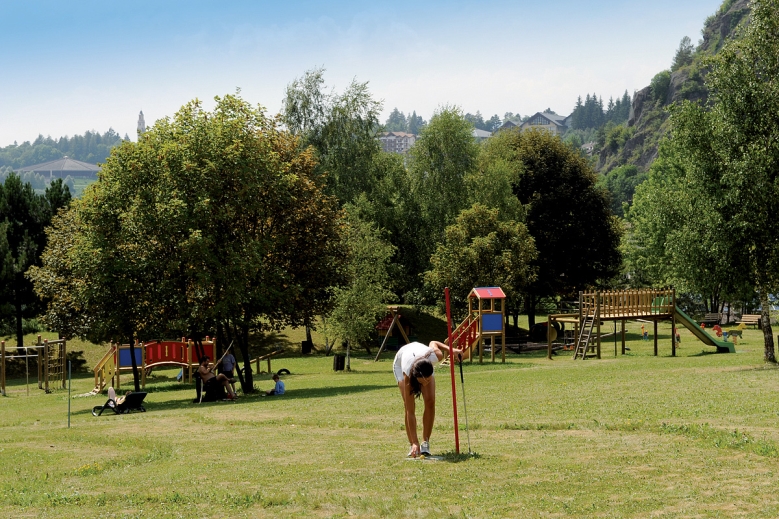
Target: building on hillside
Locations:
point(553, 123)
point(481, 135)
point(62, 168)
point(507, 125)
point(556, 124)
point(397, 142)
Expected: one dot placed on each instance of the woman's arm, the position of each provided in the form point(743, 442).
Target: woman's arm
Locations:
point(437, 346)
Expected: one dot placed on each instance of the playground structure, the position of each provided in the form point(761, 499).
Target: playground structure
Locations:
point(51, 359)
point(486, 315)
point(184, 354)
point(394, 318)
point(622, 305)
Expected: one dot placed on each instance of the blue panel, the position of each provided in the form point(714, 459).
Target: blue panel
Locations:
point(491, 323)
point(125, 361)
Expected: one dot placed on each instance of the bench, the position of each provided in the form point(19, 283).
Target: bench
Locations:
point(751, 319)
point(711, 319)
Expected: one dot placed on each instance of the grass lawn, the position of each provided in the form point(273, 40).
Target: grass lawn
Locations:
point(635, 435)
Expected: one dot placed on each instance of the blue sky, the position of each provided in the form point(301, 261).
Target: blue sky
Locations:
point(68, 67)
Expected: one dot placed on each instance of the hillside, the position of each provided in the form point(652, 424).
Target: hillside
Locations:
point(648, 120)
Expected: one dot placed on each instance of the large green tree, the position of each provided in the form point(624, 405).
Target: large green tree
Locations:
point(675, 235)
point(360, 303)
point(482, 250)
point(341, 127)
point(568, 216)
point(439, 161)
point(213, 220)
point(730, 149)
point(23, 218)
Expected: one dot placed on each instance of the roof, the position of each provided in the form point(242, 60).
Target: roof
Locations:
point(397, 134)
point(481, 134)
point(555, 119)
point(63, 164)
point(488, 293)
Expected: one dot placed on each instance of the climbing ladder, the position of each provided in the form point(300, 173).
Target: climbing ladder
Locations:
point(584, 348)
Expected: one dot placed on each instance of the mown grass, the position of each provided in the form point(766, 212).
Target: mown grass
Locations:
point(695, 435)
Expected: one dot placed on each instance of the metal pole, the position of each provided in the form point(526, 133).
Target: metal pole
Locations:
point(451, 370)
point(69, 394)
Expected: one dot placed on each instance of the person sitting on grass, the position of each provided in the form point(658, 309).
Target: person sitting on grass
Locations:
point(208, 378)
point(278, 389)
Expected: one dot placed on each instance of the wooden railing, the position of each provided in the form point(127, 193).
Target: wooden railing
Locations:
point(628, 303)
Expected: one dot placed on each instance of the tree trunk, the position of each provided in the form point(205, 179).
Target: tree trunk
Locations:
point(308, 335)
point(247, 383)
point(530, 306)
point(768, 337)
point(348, 357)
point(136, 377)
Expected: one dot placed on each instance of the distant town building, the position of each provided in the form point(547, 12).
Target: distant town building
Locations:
point(141, 124)
point(556, 124)
point(62, 168)
point(481, 135)
point(397, 142)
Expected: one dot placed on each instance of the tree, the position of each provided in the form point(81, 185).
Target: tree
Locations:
point(212, 220)
point(675, 236)
point(360, 303)
point(493, 123)
point(575, 233)
point(25, 216)
point(342, 128)
point(659, 86)
point(481, 250)
point(439, 161)
point(683, 54)
point(396, 122)
point(415, 123)
point(621, 183)
point(732, 150)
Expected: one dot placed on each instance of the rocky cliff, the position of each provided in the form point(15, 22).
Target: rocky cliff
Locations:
point(648, 120)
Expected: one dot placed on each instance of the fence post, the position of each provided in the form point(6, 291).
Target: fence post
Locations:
point(46, 362)
point(2, 367)
point(64, 362)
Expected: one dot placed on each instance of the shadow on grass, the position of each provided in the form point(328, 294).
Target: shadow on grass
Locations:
point(449, 457)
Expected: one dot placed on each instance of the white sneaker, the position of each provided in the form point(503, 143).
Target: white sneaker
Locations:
point(410, 450)
point(424, 449)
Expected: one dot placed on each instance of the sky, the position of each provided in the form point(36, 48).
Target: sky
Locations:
point(72, 66)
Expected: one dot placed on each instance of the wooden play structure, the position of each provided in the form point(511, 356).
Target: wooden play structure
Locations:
point(484, 323)
point(184, 354)
point(650, 305)
point(393, 316)
point(51, 359)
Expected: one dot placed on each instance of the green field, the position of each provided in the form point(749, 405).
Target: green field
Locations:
point(633, 436)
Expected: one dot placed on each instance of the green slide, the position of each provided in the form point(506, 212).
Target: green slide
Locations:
point(685, 320)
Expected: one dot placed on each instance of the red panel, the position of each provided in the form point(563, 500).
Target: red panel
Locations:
point(488, 293)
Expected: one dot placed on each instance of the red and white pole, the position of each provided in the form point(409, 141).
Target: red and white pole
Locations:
point(451, 369)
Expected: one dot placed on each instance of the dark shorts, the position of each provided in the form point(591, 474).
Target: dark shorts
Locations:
point(228, 374)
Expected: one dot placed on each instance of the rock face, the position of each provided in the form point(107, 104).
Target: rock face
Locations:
point(648, 118)
point(639, 98)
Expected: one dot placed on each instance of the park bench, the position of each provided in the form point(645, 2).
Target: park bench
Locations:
point(751, 319)
point(710, 319)
point(267, 358)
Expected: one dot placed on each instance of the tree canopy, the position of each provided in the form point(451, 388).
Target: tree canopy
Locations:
point(213, 219)
point(568, 216)
point(728, 152)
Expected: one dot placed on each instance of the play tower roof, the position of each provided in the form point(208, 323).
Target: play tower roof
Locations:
point(487, 293)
